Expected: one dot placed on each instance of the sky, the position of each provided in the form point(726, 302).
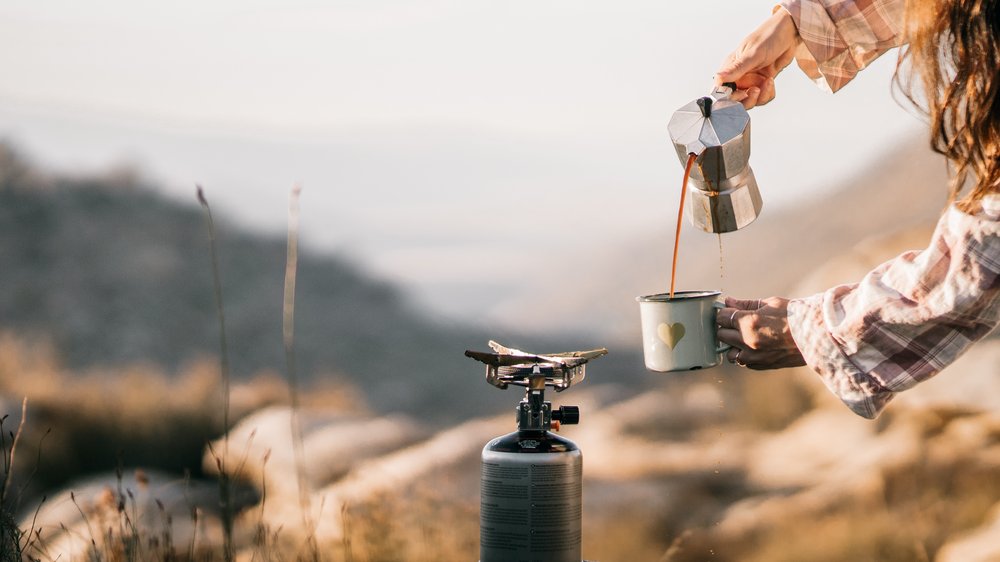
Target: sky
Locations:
point(446, 145)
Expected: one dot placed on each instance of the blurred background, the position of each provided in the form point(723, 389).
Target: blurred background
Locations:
point(470, 170)
point(428, 136)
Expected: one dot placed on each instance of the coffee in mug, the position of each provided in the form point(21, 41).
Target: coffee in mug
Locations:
point(679, 332)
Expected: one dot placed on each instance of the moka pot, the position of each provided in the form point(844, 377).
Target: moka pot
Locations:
point(722, 189)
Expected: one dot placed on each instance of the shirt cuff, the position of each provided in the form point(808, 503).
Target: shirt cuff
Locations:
point(835, 71)
point(856, 389)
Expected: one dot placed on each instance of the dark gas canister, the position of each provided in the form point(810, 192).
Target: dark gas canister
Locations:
point(531, 499)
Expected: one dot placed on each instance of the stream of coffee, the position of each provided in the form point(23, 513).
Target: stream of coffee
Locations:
point(722, 272)
point(680, 217)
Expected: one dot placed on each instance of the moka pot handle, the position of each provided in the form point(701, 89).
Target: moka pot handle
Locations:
point(721, 92)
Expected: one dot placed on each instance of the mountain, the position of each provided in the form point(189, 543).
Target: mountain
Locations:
point(110, 272)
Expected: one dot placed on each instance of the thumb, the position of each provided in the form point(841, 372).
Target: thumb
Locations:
point(743, 304)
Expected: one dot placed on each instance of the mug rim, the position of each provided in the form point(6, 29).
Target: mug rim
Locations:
point(678, 296)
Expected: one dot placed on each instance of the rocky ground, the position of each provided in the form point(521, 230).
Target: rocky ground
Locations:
point(693, 469)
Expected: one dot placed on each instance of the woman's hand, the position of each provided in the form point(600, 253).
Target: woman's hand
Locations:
point(758, 331)
point(759, 58)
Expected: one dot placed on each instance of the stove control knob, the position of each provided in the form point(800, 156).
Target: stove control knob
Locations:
point(567, 414)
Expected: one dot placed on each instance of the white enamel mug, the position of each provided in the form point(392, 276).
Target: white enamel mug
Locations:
point(679, 333)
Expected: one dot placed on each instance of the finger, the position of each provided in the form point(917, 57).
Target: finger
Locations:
point(722, 317)
point(744, 304)
point(725, 72)
point(731, 337)
point(739, 63)
point(726, 317)
point(753, 95)
point(735, 354)
point(745, 357)
point(758, 360)
point(766, 92)
point(750, 80)
point(748, 358)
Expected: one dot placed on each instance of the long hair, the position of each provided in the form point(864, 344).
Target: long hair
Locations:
point(953, 55)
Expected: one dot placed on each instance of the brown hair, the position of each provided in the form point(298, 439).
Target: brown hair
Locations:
point(954, 51)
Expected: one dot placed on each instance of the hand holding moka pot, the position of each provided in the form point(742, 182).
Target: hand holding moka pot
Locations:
point(724, 194)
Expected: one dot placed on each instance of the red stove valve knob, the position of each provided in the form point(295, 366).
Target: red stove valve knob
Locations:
point(569, 415)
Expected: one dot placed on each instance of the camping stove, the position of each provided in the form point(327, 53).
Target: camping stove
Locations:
point(532, 480)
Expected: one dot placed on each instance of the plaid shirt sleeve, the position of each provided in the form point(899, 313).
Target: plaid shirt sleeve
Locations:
point(841, 37)
point(908, 318)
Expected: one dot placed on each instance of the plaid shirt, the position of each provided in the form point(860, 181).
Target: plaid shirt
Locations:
point(841, 37)
point(908, 318)
point(916, 314)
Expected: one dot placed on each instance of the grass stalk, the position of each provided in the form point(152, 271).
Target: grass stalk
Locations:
point(225, 486)
point(345, 518)
point(95, 552)
point(288, 337)
point(9, 459)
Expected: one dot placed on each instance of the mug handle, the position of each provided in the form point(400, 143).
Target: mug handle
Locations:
point(723, 347)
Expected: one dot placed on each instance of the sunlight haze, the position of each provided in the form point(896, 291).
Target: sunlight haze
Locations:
point(430, 137)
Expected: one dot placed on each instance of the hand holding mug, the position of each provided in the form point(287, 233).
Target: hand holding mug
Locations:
point(759, 333)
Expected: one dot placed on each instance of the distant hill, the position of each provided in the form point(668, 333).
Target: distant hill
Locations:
point(112, 273)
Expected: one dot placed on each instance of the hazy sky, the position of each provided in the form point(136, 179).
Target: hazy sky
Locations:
point(431, 137)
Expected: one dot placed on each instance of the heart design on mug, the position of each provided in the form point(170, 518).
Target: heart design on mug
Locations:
point(670, 333)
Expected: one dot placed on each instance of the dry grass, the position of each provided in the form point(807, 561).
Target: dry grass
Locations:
point(417, 526)
point(923, 507)
point(10, 533)
point(139, 412)
point(919, 506)
point(136, 415)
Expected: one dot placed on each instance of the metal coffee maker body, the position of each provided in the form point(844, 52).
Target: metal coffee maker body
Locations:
point(722, 188)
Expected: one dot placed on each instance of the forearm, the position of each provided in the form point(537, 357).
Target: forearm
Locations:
point(907, 319)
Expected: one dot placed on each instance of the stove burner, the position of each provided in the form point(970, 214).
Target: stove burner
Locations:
point(507, 366)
